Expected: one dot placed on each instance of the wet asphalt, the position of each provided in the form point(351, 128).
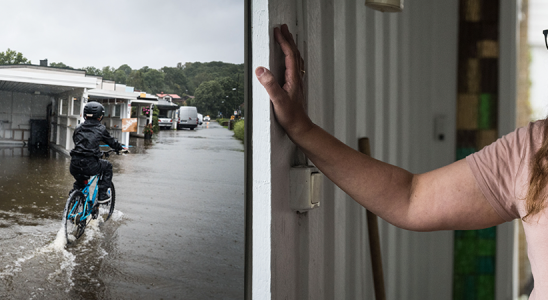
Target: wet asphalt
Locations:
point(177, 231)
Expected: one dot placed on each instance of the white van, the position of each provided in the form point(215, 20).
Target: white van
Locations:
point(200, 119)
point(188, 117)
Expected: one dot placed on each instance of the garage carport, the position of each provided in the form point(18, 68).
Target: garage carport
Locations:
point(167, 111)
point(117, 105)
point(41, 95)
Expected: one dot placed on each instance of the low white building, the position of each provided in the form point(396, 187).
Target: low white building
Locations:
point(42, 105)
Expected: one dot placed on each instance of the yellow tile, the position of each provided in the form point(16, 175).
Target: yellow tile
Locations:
point(467, 111)
point(488, 49)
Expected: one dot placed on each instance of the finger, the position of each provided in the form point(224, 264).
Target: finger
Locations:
point(272, 87)
point(292, 58)
point(288, 36)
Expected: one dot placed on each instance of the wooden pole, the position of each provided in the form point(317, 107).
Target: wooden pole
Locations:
point(374, 240)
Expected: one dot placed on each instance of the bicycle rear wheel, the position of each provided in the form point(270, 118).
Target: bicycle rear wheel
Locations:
point(106, 209)
point(74, 226)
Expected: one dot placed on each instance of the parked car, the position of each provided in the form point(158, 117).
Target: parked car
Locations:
point(165, 119)
point(207, 119)
point(200, 119)
point(188, 117)
point(165, 123)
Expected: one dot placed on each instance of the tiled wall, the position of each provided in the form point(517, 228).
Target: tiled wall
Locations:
point(477, 103)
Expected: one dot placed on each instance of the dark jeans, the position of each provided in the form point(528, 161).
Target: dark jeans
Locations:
point(82, 168)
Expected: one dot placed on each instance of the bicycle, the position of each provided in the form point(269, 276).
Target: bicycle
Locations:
point(80, 208)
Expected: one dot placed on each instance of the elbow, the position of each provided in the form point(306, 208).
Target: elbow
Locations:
point(415, 224)
point(412, 215)
point(412, 225)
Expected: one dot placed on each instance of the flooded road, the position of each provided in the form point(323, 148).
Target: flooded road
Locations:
point(177, 231)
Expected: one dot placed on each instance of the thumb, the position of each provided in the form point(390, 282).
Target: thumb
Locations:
point(268, 81)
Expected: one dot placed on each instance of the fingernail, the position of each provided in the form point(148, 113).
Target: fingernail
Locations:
point(259, 71)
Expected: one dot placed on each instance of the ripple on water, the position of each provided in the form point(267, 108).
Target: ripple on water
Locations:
point(36, 261)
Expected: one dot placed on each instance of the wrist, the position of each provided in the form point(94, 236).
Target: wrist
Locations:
point(299, 128)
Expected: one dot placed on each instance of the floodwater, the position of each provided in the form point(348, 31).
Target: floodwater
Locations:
point(177, 231)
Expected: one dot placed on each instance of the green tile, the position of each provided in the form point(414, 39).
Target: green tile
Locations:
point(471, 289)
point(458, 287)
point(464, 152)
point(464, 287)
point(485, 265)
point(487, 111)
point(486, 247)
point(465, 261)
point(470, 234)
point(486, 287)
point(487, 233)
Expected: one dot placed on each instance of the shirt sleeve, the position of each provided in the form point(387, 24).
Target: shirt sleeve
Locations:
point(112, 142)
point(495, 169)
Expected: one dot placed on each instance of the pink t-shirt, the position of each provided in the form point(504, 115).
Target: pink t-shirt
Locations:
point(502, 173)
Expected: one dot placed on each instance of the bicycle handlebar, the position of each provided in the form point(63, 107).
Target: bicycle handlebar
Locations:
point(118, 152)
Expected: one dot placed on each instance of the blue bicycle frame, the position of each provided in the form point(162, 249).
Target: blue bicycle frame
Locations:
point(90, 198)
point(82, 205)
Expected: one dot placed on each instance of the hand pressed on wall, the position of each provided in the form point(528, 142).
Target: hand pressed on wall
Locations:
point(288, 101)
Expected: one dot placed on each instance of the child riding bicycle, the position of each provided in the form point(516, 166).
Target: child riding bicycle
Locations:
point(86, 156)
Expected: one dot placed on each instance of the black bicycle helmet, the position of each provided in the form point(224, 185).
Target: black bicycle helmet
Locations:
point(94, 110)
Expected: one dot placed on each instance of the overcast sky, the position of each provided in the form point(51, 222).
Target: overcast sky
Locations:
point(98, 33)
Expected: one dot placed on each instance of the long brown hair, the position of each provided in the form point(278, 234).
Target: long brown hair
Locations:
point(535, 200)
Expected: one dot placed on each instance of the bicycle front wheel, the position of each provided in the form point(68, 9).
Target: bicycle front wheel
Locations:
point(72, 216)
point(106, 209)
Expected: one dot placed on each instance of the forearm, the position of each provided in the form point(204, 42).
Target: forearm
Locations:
point(445, 198)
point(382, 188)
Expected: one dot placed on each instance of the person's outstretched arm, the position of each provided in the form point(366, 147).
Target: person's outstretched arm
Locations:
point(446, 198)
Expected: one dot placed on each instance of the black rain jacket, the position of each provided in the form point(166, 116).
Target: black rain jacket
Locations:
point(88, 137)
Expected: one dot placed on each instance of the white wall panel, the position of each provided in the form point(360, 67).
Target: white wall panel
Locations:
point(261, 185)
point(392, 74)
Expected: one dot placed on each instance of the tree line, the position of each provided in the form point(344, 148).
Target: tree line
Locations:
point(213, 87)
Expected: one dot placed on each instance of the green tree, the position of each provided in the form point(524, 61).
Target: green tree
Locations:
point(127, 69)
point(232, 93)
point(198, 72)
point(60, 65)
point(203, 77)
point(93, 71)
point(120, 76)
point(155, 113)
point(108, 73)
point(209, 98)
point(12, 57)
point(154, 81)
point(175, 81)
point(135, 79)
